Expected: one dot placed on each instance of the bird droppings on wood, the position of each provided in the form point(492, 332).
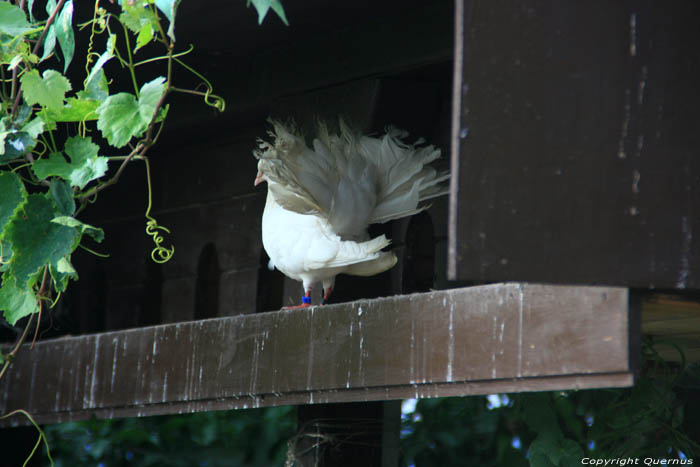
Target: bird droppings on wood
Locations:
point(401, 346)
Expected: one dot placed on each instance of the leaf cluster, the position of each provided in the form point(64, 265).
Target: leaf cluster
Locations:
point(253, 437)
point(53, 155)
point(658, 418)
point(58, 134)
point(48, 170)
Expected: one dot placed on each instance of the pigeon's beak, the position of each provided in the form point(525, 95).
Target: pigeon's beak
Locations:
point(258, 179)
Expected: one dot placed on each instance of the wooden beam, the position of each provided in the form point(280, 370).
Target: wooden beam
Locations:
point(477, 340)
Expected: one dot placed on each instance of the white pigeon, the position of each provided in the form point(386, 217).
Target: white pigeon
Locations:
point(321, 200)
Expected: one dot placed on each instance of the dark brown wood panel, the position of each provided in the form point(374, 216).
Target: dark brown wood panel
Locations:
point(501, 337)
point(574, 143)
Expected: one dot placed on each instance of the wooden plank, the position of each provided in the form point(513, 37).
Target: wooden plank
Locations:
point(500, 337)
point(574, 143)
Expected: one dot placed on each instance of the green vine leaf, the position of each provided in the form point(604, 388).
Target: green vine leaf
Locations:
point(14, 144)
point(4, 133)
point(36, 240)
point(84, 166)
point(122, 117)
point(96, 233)
point(16, 302)
point(75, 110)
point(142, 21)
point(149, 96)
point(49, 90)
point(13, 195)
point(13, 53)
point(96, 80)
point(34, 127)
point(13, 21)
point(119, 119)
point(61, 273)
point(64, 33)
point(263, 6)
point(50, 38)
point(49, 43)
point(169, 7)
point(62, 195)
point(30, 6)
point(54, 165)
point(95, 89)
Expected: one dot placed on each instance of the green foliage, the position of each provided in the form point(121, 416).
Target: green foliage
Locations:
point(658, 418)
point(51, 166)
point(18, 301)
point(48, 90)
point(122, 116)
point(252, 437)
point(48, 132)
point(84, 166)
point(13, 195)
point(49, 127)
point(13, 21)
point(263, 6)
point(64, 33)
point(460, 431)
point(35, 240)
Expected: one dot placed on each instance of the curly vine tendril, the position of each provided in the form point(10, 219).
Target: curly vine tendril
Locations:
point(94, 29)
point(159, 254)
point(210, 99)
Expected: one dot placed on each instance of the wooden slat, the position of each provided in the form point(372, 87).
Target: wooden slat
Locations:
point(501, 337)
point(575, 143)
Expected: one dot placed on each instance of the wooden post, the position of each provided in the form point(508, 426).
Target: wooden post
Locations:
point(574, 143)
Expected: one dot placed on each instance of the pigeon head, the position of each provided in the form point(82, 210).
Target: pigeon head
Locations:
point(260, 177)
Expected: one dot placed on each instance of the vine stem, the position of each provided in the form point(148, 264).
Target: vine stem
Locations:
point(42, 291)
point(165, 57)
point(143, 145)
point(42, 436)
point(49, 21)
point(20, 341)
point(17, 346)
point(130, 66)
point(135, 152)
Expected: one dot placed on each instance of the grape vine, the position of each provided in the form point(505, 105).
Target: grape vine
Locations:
point(57, 135)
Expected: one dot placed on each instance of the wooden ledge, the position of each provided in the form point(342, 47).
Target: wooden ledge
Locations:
point(477, 340)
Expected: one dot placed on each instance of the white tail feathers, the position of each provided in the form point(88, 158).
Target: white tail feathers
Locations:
point(350, 179)
point(384, 262)
point(376, 244)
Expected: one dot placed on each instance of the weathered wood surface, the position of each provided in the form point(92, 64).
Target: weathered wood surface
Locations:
point(575, 143)
point(478, 340)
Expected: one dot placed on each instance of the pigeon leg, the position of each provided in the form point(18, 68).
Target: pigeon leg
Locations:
point(305, 301)
point(327, 289)
point(326, 294)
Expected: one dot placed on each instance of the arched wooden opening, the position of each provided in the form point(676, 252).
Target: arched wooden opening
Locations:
point(152, 295)
point(206, 300)
point(418, 273)
point(270, 289)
